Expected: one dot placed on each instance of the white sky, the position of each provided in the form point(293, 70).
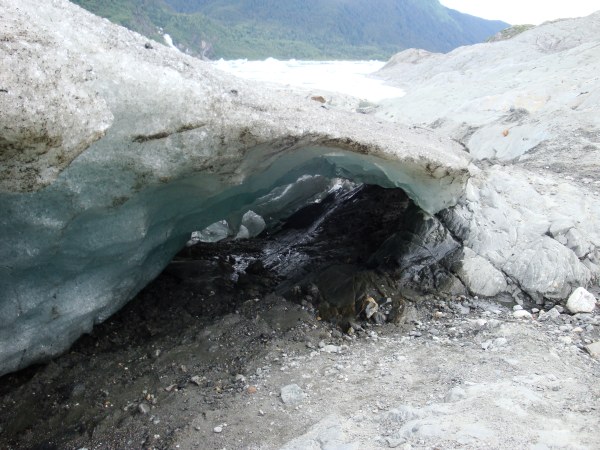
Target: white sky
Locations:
point(524, 11)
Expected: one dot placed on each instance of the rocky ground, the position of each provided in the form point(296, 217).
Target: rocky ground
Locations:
point(266, 373)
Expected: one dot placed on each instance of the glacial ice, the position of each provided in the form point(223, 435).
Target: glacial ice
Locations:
point(215, 232)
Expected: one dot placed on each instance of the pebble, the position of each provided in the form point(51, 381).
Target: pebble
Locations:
point(144, 408)
point(493, 323)
point(566, 340)
point(463, 310)
point(552, 314)
point(403, 413)
point(196, 380)
point(522, 314)
point(593, 349)
point(292, 394)
point(331, 349)
point(218, 429)
point(394, 443)
point(240, 378)
point(479, 324)
point(581, 301)
point(455, 394)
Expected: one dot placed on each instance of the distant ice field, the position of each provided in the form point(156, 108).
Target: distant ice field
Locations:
point(345, 77)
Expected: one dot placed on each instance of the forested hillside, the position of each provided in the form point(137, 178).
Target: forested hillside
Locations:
point(319, 29)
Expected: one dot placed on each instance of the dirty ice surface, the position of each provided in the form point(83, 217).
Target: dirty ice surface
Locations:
point(345, 77)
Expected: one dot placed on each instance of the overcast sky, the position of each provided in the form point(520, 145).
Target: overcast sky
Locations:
point(524, 11)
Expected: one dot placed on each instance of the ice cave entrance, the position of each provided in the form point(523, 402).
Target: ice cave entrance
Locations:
point(351, 251)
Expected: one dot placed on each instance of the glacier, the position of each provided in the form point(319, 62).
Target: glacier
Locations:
point(114, 152)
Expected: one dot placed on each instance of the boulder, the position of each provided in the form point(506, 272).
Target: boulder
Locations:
point(531, 208)
point(581, 301)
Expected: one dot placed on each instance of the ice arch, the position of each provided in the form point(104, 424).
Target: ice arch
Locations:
point(112, 151)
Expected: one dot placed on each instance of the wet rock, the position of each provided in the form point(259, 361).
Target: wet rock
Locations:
point(292, 395)
point(581, 301)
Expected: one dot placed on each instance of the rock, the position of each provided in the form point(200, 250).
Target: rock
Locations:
point(144, 408)
point(218, 429)
point(394, 442)
point(370, 307)
point(593, 349)
point(479, 275)
point(581, 301)
point(522, 314)
point(239, 378)
point(292, 395)
point(252, 390)
point(196, 380)
point(455, 394)
point(550, 315)
point(528, 221)
point(331, 349)
point(401, 414)
point(567, 340)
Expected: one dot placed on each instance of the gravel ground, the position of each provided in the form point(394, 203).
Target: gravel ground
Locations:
point(455, 373)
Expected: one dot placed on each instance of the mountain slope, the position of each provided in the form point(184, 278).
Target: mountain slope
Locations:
point(321, 29)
